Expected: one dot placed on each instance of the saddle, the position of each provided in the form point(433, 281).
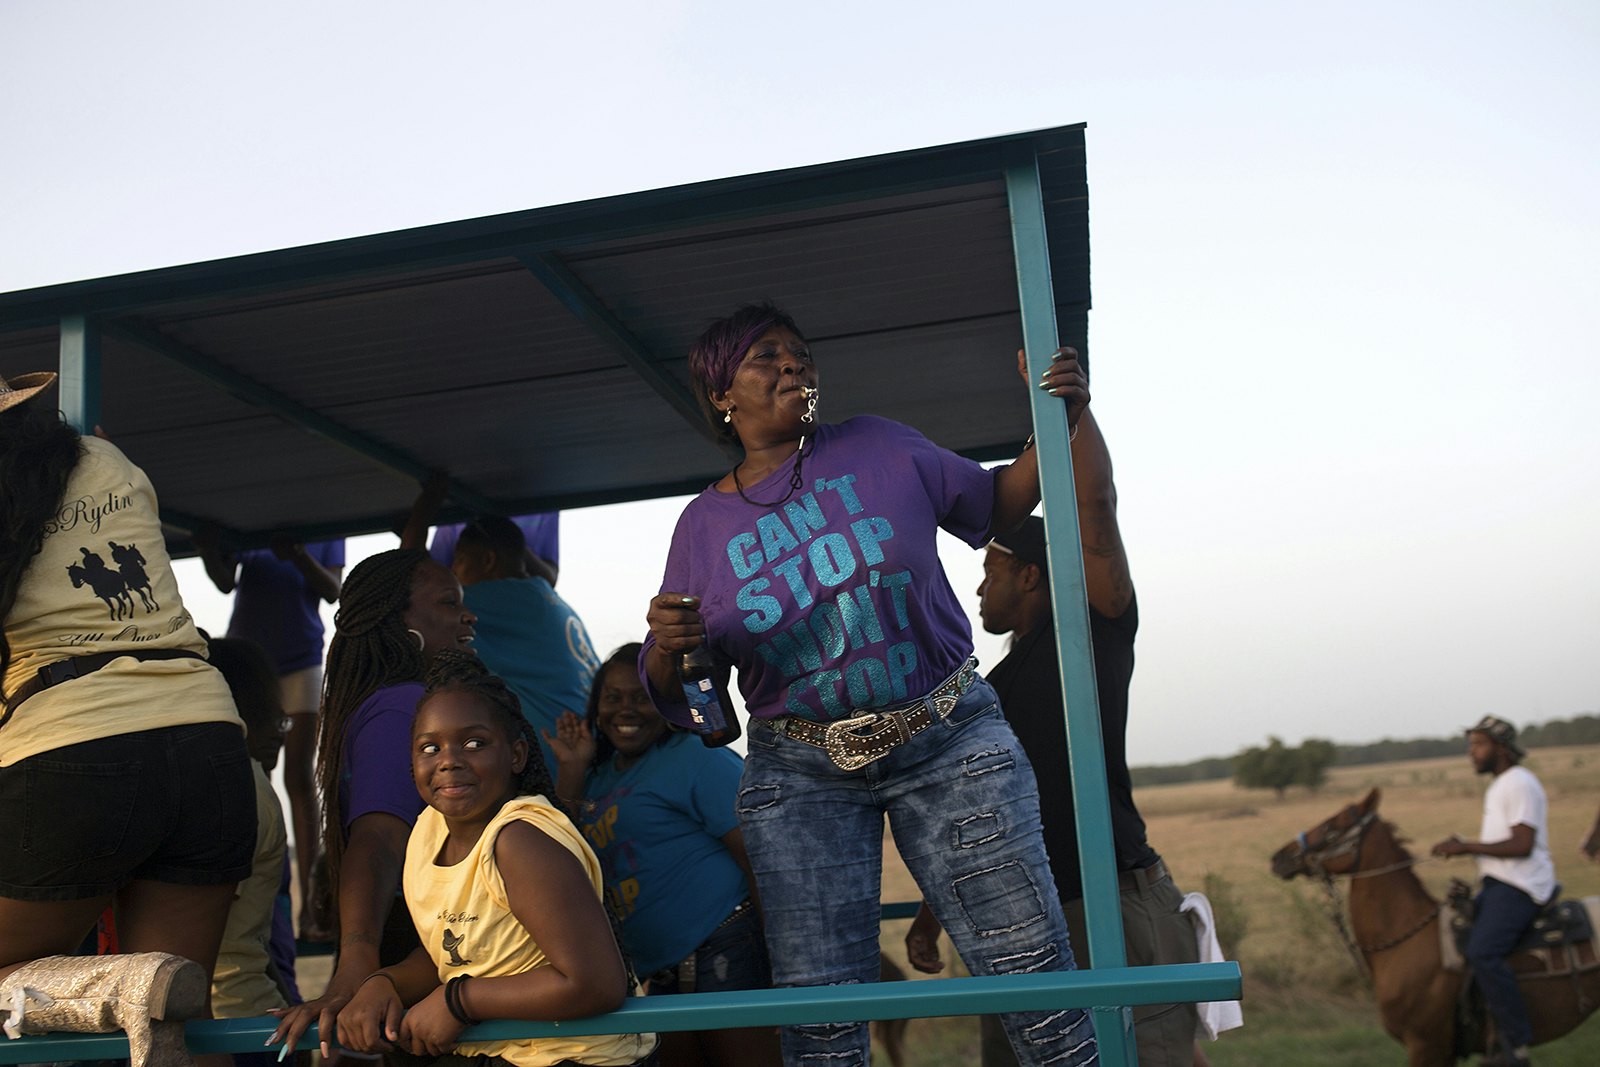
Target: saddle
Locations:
point(1560, 924)
point(1560, 942)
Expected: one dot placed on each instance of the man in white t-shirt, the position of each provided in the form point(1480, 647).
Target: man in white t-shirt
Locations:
point(1517, 878)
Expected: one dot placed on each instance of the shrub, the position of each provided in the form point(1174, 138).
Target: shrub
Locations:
point(1227, 911)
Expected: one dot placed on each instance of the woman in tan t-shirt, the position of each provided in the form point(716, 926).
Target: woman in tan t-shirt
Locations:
point(123, 771)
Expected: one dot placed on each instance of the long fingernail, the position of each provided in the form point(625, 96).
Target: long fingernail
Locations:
point(285, 1052)
point(687, 599)
point(1045, 384)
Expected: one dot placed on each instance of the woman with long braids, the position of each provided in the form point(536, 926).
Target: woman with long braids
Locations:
point(506, 892)
point(812, 569)
point(123, 770)
point(397, 610)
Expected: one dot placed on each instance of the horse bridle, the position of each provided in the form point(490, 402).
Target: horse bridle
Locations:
point(1347, 842)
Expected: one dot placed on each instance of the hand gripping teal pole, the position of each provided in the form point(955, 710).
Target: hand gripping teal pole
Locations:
point(80, 372)
point(1069, 596)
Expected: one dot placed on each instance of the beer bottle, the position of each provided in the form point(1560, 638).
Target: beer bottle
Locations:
point(714, 719)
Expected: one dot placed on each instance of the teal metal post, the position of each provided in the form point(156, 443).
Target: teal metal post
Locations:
point(1069, 597)
point(80, 372)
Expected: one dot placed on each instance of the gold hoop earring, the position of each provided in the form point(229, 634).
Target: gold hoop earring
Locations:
point(422, 645)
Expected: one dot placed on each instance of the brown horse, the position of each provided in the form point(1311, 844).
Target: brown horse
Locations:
point(1394, 922)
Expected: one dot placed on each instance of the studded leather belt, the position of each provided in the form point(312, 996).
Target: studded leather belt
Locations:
point(870, 735)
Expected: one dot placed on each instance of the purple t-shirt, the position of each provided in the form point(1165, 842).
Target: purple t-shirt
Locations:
point(836, 599)
point(377, 757)
point(541, 531)
point(277, 610)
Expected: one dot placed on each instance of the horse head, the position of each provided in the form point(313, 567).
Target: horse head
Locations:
point(76, 573)
point(1331, 846)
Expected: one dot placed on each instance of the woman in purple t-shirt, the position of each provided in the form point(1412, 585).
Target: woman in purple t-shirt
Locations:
point(812, 569)
point(397, 610)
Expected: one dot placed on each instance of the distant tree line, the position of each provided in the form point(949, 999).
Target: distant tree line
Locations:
point(1277, 766)
point(1276, 762)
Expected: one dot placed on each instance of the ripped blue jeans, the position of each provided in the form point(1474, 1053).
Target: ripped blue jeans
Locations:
point(964, 810)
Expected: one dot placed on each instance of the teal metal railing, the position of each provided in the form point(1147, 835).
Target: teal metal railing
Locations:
point(1096, 989)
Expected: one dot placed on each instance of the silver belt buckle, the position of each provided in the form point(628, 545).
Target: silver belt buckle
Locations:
point(841, 730)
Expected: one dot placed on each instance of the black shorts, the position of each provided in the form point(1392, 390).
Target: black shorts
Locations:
point(177, 804)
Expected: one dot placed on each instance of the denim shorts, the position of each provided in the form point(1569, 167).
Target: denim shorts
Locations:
point(176, 804)
point(733, 956)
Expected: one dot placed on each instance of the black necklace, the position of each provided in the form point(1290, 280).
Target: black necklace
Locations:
point(800, 454)
point(796, 479)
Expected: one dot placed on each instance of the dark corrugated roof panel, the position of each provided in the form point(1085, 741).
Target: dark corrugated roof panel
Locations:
point(306, 389)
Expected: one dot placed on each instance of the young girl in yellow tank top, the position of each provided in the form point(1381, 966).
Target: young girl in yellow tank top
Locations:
point(505, 894)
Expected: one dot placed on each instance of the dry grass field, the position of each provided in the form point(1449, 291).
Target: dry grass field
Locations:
point(1304, 1002)
point(1299, 980)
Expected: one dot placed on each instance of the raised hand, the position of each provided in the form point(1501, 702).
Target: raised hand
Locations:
point(572, 742)
point(1063, 378)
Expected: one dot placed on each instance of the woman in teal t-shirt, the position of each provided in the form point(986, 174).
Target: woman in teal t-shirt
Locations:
point(657, 806)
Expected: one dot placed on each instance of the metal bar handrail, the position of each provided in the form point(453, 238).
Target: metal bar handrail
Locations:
point(751, 1007)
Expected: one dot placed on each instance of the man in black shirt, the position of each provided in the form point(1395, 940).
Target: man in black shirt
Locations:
point(1015, 598)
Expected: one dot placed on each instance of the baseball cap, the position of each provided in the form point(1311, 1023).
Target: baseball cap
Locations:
point(1498, 731)
point(1026, 543)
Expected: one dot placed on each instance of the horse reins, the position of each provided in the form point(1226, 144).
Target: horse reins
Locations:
point(1348, 843)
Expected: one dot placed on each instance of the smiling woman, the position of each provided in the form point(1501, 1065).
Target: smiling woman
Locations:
point(397, 611)
point(436, 617)
point(658, 808)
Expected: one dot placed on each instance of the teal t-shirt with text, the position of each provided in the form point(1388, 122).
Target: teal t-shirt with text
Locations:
point(657, 828)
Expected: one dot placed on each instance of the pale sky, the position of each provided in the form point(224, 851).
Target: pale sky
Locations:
point(1339, 257)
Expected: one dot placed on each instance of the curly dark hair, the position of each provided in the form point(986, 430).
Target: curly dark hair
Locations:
point(38, 451)
point(627, 655)
point(370, 650)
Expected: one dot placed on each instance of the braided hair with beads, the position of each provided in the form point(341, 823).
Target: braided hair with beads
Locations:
point(452, 671)
point(370, 650)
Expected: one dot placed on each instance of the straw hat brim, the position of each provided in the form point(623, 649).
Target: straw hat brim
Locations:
point(23, 386)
